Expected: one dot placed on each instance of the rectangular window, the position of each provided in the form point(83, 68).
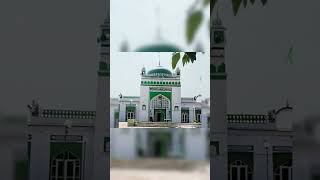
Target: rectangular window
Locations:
point(131, 115)
point(184, 115)
point(198, 115)
point(106, 144)
point(185, 118)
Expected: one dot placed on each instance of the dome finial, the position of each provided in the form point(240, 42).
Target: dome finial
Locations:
point(217, 20)
point(159, 60)
point(159, 37)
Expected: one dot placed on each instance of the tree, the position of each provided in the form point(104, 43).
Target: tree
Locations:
point(194, 20)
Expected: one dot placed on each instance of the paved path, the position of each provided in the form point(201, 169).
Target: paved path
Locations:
point(202, 173)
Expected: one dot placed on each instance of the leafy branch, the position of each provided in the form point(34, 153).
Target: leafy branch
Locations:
point(195, 16)
point(186, 58)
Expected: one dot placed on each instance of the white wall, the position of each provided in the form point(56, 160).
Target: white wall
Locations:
point(123, 144)
point(40, 150)
point(176, 101)
point(196, 143)
point(144, 100)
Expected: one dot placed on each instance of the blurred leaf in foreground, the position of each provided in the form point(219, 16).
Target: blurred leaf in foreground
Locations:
point(193, 23)
point(175, 60)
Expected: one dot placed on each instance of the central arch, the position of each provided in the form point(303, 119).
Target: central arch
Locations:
point(160, 108)
point(65, 166)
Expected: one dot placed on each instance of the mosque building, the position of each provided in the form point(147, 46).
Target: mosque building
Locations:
point(75, 144)
point(159, 101)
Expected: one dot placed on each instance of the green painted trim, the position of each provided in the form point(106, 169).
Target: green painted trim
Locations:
point(218, 77)
point(103, 74)
point(222, 68)
point(153, 94)
point(161, 83)
point(246, 157)
point(106, 142)
point(280, 159)
point(213, 69)
point(59, 147)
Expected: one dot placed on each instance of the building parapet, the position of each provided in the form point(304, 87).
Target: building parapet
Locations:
point(250, 118)
point(66, 114)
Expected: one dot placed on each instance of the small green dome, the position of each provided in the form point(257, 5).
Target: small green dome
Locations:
point(163, 47)
point(160, 71)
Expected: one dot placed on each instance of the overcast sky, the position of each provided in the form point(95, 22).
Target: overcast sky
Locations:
point(49, 51)
point(126, 68)
point(139, 21)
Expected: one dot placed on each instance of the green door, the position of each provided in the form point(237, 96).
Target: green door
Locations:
point(160, 149)
point(159, 115)
point(160, 144)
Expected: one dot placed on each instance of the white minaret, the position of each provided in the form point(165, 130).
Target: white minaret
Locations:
point(218, 120)
point(102, 121)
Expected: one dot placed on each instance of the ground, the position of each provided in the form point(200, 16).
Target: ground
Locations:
point(160, 169)
point(144, 174)
point(161, 125)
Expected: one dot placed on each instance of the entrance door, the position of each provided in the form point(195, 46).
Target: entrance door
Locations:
point(159, 143)
point(159, 115)
point(65, 169)
point(239, 172)
point(285, 173)
point(160, 149)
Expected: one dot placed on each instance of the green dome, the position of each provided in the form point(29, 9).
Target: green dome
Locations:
point(160, 71)
point(163, 47)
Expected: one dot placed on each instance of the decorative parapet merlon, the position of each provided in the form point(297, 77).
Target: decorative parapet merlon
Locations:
point(72, 114)
point(250, 119)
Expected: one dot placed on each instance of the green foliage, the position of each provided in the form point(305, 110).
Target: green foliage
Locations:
point(192, 56)
point(186, 58)
point(193, 23)
point(236, 4)
point(175, 60)
point(206, 2)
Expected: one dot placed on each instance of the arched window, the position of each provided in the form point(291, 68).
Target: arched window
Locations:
point(160, 102)
point(65, 166)
point(283, 172)
point(239, 170)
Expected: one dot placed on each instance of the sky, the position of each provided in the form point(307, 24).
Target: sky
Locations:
point(138, 22)
point(49, 52)
point(126, 68)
